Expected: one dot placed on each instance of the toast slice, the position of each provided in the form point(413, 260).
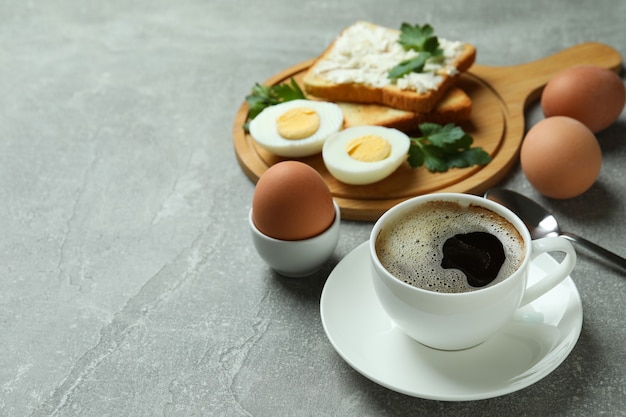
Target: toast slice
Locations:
point(454, 107)
point(354, 68)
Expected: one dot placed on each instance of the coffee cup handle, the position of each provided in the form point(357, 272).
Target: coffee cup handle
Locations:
point(555, 276)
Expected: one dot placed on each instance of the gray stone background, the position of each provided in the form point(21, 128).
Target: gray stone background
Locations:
point(128, 282)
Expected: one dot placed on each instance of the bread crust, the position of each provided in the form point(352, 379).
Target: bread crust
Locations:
point(389, 95)
point(454, 107)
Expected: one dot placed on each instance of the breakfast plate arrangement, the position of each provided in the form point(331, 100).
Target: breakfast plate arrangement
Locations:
point(499, 98)
point(532, 345)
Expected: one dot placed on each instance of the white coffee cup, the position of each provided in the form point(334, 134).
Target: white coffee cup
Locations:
point(454, 321)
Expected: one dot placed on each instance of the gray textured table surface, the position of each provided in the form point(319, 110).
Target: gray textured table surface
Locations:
point(129, 285)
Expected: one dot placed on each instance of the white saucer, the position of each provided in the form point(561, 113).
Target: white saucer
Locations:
point(533, 344)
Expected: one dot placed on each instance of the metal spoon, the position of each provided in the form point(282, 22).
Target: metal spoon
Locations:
point(542, 223)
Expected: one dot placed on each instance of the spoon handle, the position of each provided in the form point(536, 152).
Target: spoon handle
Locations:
point(613, 258)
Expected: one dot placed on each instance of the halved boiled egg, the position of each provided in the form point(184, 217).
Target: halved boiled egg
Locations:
point(365, 154)
point(296, 128)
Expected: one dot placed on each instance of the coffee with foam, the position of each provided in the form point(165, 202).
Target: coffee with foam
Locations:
point(411, 247)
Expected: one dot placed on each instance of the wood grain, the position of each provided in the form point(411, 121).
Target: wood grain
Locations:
point(499, 95)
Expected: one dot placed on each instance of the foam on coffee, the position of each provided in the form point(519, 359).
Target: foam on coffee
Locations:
point(410, 247)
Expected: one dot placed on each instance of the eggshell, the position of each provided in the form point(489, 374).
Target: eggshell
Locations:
point(292, 202)
point(560, 157)
point(592, 95)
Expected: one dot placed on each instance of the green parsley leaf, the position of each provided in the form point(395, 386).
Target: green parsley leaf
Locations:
point(411, 65)
point(444, 147)
point(449, 137)
point(467, 158)
point(416, 154)
point(434, 159)
point(260, 98)
point(288, 92)
point(422, 40)
point(418, 38)
point(263, 96)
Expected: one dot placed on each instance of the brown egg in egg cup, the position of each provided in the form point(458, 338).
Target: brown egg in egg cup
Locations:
point(297, 258)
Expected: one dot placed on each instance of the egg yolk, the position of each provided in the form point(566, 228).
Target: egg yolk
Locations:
point(298, 123)
point(368, 148)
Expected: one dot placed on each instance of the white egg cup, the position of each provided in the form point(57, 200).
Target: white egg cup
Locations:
point(297, 258)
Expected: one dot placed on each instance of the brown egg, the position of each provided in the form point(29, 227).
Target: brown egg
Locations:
point(592, 95)
point(292, 202)
point(560, 157)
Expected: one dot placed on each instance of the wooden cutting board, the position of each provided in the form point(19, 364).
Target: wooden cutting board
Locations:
point(499, 95)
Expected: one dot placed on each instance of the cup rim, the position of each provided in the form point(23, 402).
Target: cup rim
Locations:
point(509, 215)
point(319, 236)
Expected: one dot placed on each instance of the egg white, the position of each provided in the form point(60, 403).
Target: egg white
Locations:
point(351, 171)
point(264, 131)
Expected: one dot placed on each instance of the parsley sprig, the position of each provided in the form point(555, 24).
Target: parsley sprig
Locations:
point(443, 147)
point(420, 39)
point(263, 96)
